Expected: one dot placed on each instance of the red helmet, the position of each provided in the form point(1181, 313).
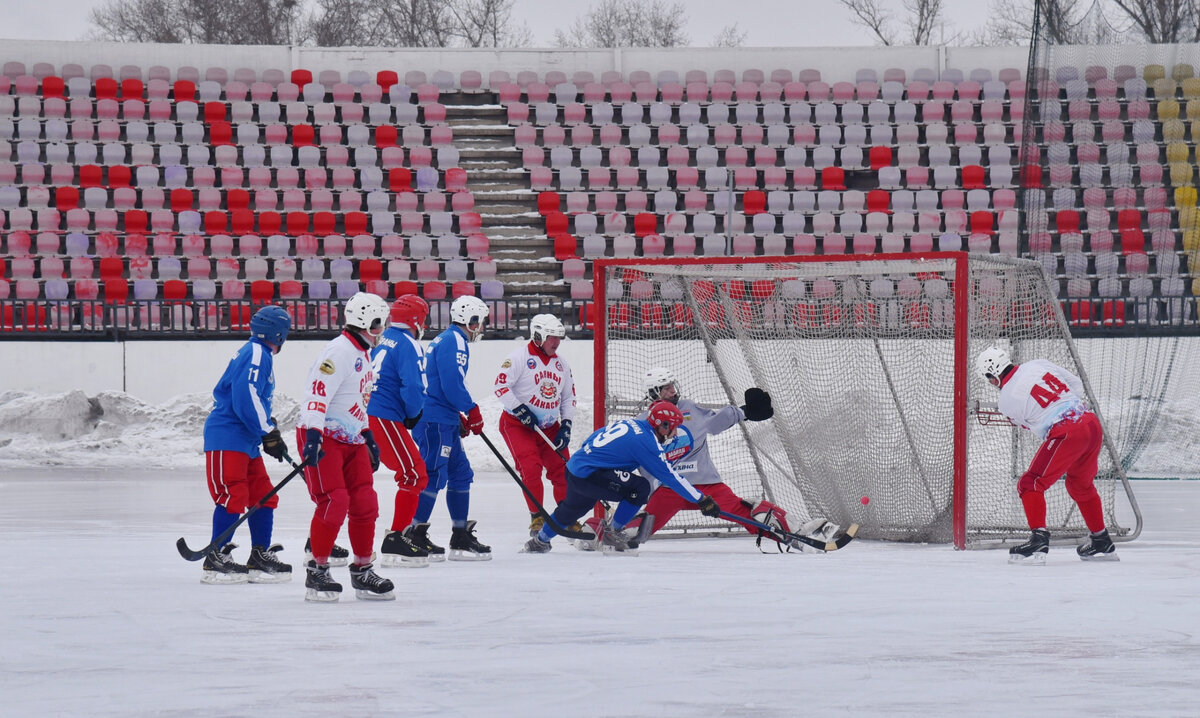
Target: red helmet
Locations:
point(664, 413)
point(411, 310)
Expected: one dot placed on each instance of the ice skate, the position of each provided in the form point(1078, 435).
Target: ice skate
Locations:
point(338, 556)
point(465, 547)
point(320, 585)
point(536, 522)
point(418, 536)
point(1099, 547)
point(614, 541)
point(819, 529)
point(596, 528)
point(369, 585)
point(265, 566)
point(399, 552)
point(640, 533)
point(536, 545)
point(219, 567)
point(1032, 552)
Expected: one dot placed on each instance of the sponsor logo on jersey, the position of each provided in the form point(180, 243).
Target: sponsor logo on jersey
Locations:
point(327, 367)
point(358, 364)
point(502, 378)
point(558, 365)
point(445, 451)
point(507, 363)
point(679, 446)
point(531, 363)
point(548, 389)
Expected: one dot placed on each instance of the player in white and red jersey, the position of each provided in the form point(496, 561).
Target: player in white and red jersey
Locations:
point(538, 394)
point(1049, 400)
point(340, 452)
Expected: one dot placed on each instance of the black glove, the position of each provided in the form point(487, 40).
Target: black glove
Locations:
point(372, 448)
point(312, 447)
point(524, 415)
point(411, 422)
point(563, 437)
point(709, 507)
point(758, 405)
point(273, 445)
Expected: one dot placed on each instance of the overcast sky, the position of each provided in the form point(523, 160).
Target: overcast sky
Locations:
point(768, 23)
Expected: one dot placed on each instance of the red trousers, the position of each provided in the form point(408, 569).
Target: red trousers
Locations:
point(531, 453)
point(236, 481)
point(1071, 448)
point(341, 485)
point(399, 453)
point(665, 503)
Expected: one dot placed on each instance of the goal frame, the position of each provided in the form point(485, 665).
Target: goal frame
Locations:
point(960, 295)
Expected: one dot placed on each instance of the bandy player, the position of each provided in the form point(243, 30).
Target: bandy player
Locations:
point(1048, 400)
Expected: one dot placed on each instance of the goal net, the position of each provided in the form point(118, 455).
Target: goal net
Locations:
point(868, 360)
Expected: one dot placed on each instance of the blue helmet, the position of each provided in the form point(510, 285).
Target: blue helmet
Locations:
point(271, 324)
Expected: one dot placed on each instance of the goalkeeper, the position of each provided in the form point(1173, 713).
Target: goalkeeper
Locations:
point(688, 455)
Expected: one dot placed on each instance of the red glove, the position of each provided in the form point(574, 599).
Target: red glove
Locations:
point(474, 422)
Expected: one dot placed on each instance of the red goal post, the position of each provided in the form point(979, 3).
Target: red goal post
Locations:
point(868, 360)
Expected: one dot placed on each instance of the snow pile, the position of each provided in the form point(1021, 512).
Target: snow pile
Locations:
point(113, 429)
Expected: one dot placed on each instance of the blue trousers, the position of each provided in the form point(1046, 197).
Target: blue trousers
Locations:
point(448, 468)
point(631, 489)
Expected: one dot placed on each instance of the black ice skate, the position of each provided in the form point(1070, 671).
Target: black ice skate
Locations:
point(398, 551)
point(320, 585)
point(613, 541)
point(465, 547)
point(219, 567)
point(418, 536)
point(1032, 552)
point(1099, 547)
point(265, 566)
point(536, 545)
point(338, 556)
point(369, 585)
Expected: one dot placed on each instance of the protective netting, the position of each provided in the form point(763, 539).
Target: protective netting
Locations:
point(860, 359)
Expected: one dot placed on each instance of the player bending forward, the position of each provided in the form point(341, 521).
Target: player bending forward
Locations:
point(1048, 400)
point(602, 470)
point(688, 455)
point(341, 453)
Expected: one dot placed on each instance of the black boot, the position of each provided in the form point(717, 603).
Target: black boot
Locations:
point(265, 566)
point(418, 536)
point(320, 585)
point(397, 550)
point(369, 585)
point(1033, 551)
point(465, 547)
point(1099, 547)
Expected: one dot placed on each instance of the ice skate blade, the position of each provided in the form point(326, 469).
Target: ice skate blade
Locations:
point(1037, 559)
point(316, 596)
point(266, 577)
point(1101, 557)
point(216, 578)
point(610, 551)
point(363, 594)
point(391, 560)
point(332, 561)
point(460, 555)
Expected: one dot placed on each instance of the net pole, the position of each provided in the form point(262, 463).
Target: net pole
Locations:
point(961, 292)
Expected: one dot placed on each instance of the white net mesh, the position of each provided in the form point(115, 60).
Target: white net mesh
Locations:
point(859, 358)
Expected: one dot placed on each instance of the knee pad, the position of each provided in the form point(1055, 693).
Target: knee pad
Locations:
point(770, 514)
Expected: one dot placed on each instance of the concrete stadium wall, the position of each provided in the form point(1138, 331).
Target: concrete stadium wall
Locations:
point(839, 63)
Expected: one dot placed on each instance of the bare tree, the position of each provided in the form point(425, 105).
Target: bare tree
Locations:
point(1165, 21)
point(627, 23)
point(489, 23)
point(921, 18)
point(228, 22)
point(415, 23)
point(730, 36)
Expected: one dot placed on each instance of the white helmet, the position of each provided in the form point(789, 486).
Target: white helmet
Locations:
point(992, 362)
point(468, 310)
point(368, 312)
point(545, 325)
point(655, 379)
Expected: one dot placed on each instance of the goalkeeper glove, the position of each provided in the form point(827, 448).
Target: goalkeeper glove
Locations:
point(709, 507)
point(758, 405)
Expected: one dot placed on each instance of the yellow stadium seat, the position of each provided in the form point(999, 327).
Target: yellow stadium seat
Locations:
point(1189, 218)
point(1174, 131)
point(1191, 241)
point(1191, 87)
point(1185, 197)
point(1193, 109)
point(1177, 152)
point(1183, 71)
point(1150, 73)
point(1164, 89)
point(1168, 109)
point(1181, 173)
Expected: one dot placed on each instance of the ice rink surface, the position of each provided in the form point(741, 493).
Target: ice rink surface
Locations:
point(101, 617)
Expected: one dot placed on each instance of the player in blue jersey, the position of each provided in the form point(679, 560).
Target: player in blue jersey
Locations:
point(450, 414)
point(396, 406)
point(240, 420)
point(603, 470)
